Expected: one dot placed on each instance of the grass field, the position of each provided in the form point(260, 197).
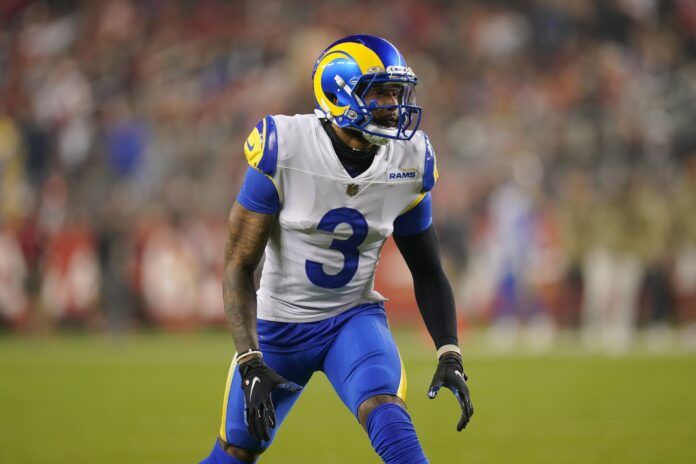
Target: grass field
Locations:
point(155, 399)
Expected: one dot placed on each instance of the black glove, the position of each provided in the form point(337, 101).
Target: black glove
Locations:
point(258, 381)
point(450, 373)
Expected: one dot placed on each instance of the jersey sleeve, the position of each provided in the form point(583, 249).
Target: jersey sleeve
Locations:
point(259, 193)
point(418, 216)
point(261, 147)
point(415, 219)
point(430, 173)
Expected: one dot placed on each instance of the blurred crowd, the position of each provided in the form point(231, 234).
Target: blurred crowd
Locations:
point(565, 132)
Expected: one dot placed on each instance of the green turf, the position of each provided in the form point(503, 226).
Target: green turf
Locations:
point(155, 399)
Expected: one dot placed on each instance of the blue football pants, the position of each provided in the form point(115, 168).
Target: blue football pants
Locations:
point(355, 350)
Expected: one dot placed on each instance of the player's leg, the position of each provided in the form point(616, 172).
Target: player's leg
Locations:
point(235, 445)
point(365, 369)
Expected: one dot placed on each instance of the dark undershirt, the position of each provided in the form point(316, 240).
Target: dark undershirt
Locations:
point(421, 253)
point(355, 162)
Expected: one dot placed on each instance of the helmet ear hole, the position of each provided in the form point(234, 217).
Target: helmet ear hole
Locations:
point(332, 98)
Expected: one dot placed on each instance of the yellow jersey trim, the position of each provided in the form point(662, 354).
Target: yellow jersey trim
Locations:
point(228, 385)
point(403, 383)
point(414, 203)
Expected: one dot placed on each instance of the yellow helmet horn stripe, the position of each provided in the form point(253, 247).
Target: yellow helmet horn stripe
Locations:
point(326, 104)
point(363, 56)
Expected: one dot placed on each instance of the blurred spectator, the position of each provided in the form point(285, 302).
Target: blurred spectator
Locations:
point(170, 274)
point(126, 141)
point(14, 303)
point(561, 130)
point(684, 241)
point(71, 275)
point(116, 261)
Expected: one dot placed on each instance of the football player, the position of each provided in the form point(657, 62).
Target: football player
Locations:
point(322, 193)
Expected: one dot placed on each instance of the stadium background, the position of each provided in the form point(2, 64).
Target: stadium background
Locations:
point(566, 207)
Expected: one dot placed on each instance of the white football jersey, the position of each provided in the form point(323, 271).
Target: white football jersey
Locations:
point(322, 254)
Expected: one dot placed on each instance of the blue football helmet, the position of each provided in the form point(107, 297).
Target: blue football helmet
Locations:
point(348, 70)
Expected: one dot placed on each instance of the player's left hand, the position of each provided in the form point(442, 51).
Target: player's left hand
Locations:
point(258, 381)
point(450, 374)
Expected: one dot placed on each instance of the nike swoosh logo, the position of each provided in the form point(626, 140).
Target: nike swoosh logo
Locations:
point(460, 375)
point(250, 146)
point(254, 381)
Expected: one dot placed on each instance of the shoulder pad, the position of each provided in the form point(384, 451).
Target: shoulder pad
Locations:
point(261, 147)
point(430, 173)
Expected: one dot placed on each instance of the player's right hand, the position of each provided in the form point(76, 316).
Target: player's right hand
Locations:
point(258, 381)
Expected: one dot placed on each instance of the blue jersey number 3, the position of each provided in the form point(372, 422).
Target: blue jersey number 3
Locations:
point(349, 248)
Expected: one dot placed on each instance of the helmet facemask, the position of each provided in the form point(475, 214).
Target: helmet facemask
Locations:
point(381, 122)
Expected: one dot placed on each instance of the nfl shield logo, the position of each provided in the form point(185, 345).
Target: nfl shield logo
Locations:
point(352, 190)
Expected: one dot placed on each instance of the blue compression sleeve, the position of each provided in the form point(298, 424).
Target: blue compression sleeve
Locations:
point(259, 193)
point(415, 220)
point(393, 436)
point(219, 456)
